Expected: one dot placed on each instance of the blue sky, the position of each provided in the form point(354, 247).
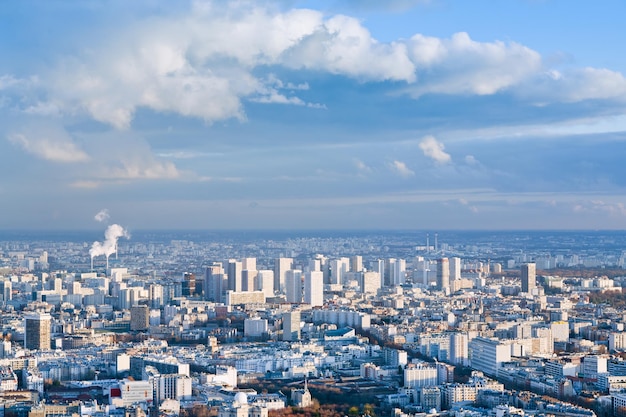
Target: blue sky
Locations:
point(403, 114)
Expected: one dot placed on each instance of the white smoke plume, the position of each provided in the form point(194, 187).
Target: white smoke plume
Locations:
point(102, 215)
point(109, 246)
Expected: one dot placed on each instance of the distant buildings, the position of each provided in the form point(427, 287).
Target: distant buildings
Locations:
point(241, 408)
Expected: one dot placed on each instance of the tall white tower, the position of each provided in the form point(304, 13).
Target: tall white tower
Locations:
point(293, 286)
point(314, 288)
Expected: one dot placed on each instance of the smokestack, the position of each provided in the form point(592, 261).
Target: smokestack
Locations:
point(435, 242)
point(91, 263)
point(427, 242)
point(109, 246)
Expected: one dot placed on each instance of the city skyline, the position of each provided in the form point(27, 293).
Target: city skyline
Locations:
point(427, 114)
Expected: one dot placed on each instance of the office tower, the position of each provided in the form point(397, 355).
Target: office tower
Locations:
point(379, 266)
point(455, 268)
point(215, 283)
point(459, 348)
point(529, 272)
point(356, 263)
point(156, 296)
point(293, 286)
point(248, 278)
point(324, 267)
point(188, 286)
point(420, 271)
point(169, 291)
point(338, 269)
point(370, 282)
point(394, 272)
point(396, 269)
point(37, 331)
point(249, 264)
point(315, 265)
point(234, 275)
point(443, 274)
point(314, 288)
point(139, 318)
point(57, 285)
point(265, 282)
point(281, 266)
point(291, 326)
point(6, 291)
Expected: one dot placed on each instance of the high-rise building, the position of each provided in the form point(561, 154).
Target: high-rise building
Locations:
point(215, 283)
point(293, 286)
point(356, 263)
point(156, 295)
point(397, 272)
point(6, 291)
point(291, 326)
point(139, 318)
point(443, 274)
point(281, 266)
point(314, 288)
point(315, 265)
point(370, 282)
point(234, 275)
point(455, 268)
point(338, 269)
point(189, 284)
point(248, 278)
point(459, 348)
point(265, 282)
point(394, 272)
point(37, 331)
point(249, 264)
point(529, 277)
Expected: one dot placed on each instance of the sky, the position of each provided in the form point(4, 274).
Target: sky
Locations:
point(319, 114)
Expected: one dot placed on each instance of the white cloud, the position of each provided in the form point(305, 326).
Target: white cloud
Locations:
point(7, 81)
point(600, 206)
point(470, 207)
point(574, 85)
point(275, 97)
point(141, 168)
point(46, 146)
point(434, 150)
point(460, 65)
point(341, 45)
point(362, 167)
point(401, 169)
point(471, 160)
point(102, 215)
point(195, 64)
